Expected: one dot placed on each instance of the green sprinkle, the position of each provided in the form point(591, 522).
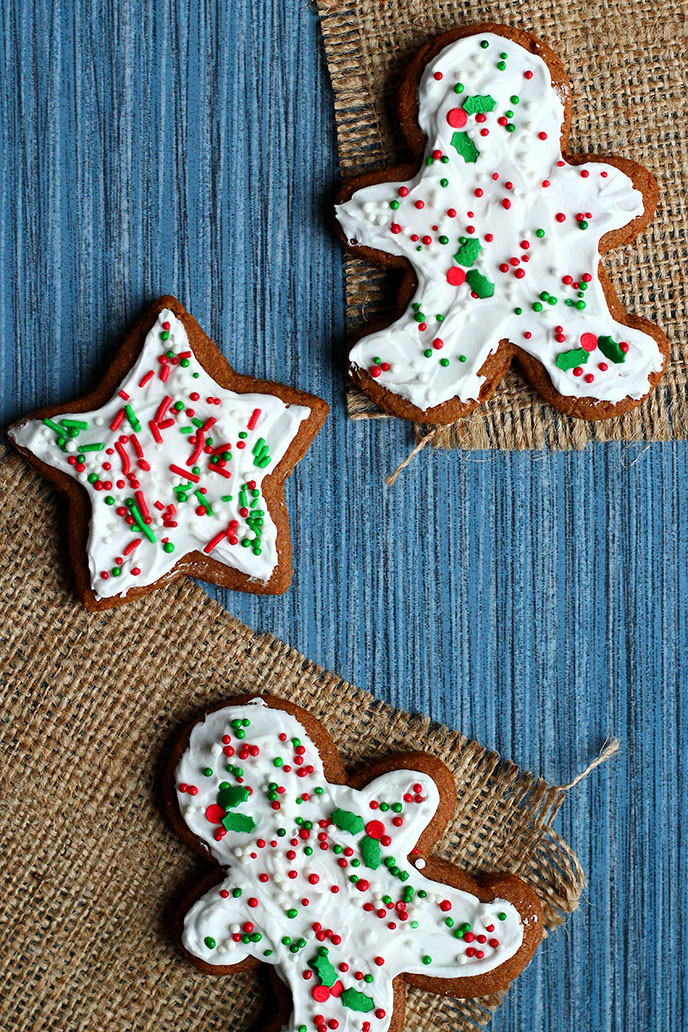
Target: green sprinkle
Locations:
point(75, 424)
point(207, 772)
point(427, 959)
point(210, 942)
point(167, 547)
point(394, 205)
point(539, 233)
point(458, 88)
point(131, 416)
point(484, 44)
point(510, 128)
point(444, 362)
point(518, 311)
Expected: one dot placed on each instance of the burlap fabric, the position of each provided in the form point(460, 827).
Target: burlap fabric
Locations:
point(91, 705)
point(626, 62)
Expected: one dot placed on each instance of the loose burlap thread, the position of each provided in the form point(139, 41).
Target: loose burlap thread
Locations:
point(625, 59)
point(91, 706)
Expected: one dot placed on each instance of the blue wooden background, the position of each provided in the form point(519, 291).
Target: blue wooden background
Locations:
point(535, 601)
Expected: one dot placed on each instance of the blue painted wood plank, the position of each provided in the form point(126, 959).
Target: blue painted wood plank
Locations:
point(536, 602)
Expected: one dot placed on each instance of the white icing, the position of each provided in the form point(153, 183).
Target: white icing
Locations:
point(262, 851)
point(109, 534)
point(472, 328)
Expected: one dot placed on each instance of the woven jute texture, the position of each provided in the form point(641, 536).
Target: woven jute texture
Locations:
point(91, 705)
point(626, 63)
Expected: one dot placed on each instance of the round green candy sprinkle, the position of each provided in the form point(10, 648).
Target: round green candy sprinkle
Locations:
point(415, 306)
point(207, 771)
point(501, 917)
point(243, 434)
point(384, 807)
point(465, 927)
point(165, 336)
point(236, 893)
point(308, 825)
point(355, 862)
point(302, 1028)
point(292, 912)
point(414, 924)
point(539, 233)
point(168, 547)
point(552, 300)
point(420, 247)
point(511, 128)
point(580, 305)
point(245, 542)
point(368, 978)
point(544, 296)
point(397, 807)
point(377, 360)
point(584, 286)
point(296, 742)
point(196, 375)
point(277, 762)
point(444, 182)
point(267, 953)
point(179, 405)
point(537, 307)
point(184, 363)
point(210, 942)
point(419, 317)
point(518, 311)
point(449, 921)
point(582, 224)
point(501, 65)
point(484, 44)
point(353, 878)
point(394, 205)
point(428, 160)
point(404, 876)
point(444, 159)
point(116, 571)
point(286, 940)
point(338, 849)
point(504, 55)
point(458, 88)
point(109, 500)
point(293, 948)
point(440, 318)
point(281, 832)
point(509, 114)
point(386, 899)
point(301, 942)
point(427, 959)
point(241, 734)
point(394, 870)
point(428, 353)
point(514, 99)
point(318, 790)
point(196, 470)
point(422, 893)
point(308, 851)
point(444, 362)
point(239, 772)
point(444, 239)
point(92, 477)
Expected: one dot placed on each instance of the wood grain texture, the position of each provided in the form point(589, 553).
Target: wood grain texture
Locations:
point(535, 601)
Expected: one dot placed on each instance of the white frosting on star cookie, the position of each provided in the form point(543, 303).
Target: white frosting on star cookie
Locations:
point(503, 236)
point(173, 464)
point(320, 879)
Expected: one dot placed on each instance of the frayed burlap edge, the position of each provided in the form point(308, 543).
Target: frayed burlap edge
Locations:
point(368, 43)
point(91, 705)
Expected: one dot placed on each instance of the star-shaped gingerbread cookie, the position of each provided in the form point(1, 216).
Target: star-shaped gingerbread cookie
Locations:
point(330, 881)
point(174, 465)
point(499, 233)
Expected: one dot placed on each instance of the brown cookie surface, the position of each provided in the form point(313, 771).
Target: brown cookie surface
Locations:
point(382, 243)
point(156, 469)
point(324, 870)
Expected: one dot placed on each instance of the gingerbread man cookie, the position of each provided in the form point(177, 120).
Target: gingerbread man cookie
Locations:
point(499, 233)
point(330, 881)
point(174, 465)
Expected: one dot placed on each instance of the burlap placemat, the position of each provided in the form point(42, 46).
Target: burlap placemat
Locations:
point(91, 704)
point(626, 62)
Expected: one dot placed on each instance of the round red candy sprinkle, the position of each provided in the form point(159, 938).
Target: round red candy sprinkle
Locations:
point(468, 937)
point(520, 273)
point(379, 961)
point(438, 343)
point(438, 76)
point(375, 829)
point(506, 203)
point(375, 370)
point(224, 893)
point(214, 813)
point(478, 192)
point(560, 217)
point(588, 341)
point(589, 377)
point(528, 75)
point(603, 367)
point(457, 118)
point(445, 905)
point(253, 902)
point(578, 371)
point(395, 227)
point(420, 204)
point(451, 212)
point(426, 240)
point(623, 346)
point(456, 276)
point(320, 993)
point(494, 943)
point(542, 136)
